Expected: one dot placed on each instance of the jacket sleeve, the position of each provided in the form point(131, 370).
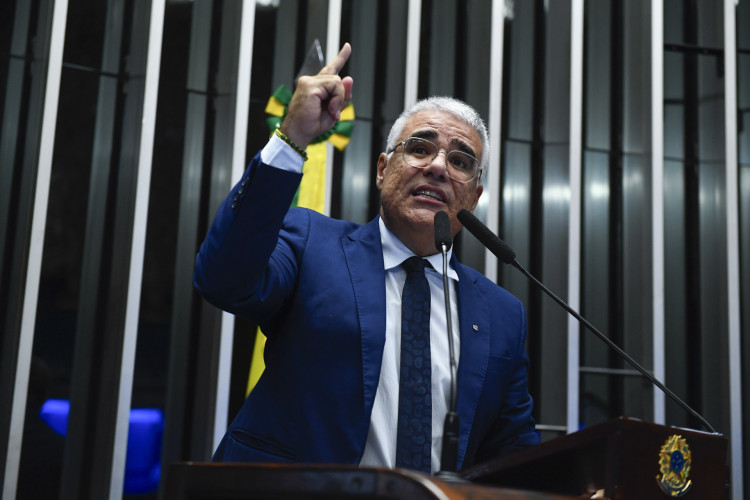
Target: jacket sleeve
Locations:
point(242, 261)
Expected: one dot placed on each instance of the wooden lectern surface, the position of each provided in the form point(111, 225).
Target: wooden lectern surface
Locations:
point(202, 481)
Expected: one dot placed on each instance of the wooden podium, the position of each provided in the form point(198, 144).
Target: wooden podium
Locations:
point(623, 457)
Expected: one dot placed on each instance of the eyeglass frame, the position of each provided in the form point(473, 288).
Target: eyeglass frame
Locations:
point(477, 174)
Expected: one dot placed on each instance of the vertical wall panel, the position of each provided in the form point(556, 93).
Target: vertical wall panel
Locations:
point(32, 264)
point(357, 176)
point(201, 334)
point(94, 84)
point(574, 222)
point(657, 197)
point(239, 152)
point(596, 399)
point(155, 24)
point(333, 44)
point(215, 339)
point(637, 265)
point(742, 24)
point(101, 352)
point(398, 63)
point(675, 285)
point(195, 89)
point(516, 166)
point(637, 300)
point(440, 22)
point(733, 248)
point(555, 201)
point(492, 179)
point(712, 225)
point(411, 69)
point(19, 26)
point(675, 290)
point(696, 320)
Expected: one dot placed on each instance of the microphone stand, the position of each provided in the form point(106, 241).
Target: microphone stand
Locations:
point(449, 454)
point(451, 427)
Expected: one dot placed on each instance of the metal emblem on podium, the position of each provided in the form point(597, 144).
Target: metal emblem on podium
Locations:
point(674, 464)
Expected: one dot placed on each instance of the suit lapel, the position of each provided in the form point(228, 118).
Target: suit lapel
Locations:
point(474, 357)
point(364, 259)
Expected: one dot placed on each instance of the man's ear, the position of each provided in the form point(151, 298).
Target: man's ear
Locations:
point(382, 164)
point(480, 189)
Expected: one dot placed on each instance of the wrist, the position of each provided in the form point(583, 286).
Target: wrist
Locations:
point(291, 143)
point(297, 137)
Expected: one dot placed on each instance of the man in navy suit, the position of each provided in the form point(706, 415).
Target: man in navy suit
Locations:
point(327, 294)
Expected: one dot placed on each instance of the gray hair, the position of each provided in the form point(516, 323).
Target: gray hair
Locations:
point(457, 108)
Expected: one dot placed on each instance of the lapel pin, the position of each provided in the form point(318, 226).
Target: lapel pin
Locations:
point(475, 327)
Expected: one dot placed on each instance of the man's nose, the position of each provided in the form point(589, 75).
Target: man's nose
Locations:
point(439, 165)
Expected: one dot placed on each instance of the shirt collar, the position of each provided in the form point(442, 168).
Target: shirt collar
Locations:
point(395, 252)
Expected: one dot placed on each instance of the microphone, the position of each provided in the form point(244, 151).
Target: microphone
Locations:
point(508, 256)
point(487, 237)
point(443, 232)
point(449, 454)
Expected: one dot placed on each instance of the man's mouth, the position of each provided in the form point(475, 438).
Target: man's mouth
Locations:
point(429, 194)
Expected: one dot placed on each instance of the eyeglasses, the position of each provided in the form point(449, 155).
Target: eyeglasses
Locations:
point(420, 153)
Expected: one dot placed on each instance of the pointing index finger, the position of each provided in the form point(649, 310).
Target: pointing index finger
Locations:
point(333, 67)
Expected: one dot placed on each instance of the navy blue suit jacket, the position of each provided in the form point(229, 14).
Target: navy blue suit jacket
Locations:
point(316, 286)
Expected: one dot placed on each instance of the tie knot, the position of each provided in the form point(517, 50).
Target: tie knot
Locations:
point(414, 265)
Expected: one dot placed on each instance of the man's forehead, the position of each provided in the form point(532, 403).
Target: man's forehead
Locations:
point(433, 124)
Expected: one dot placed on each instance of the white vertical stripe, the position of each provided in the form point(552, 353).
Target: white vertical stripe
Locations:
point(224, 371)
point(574, 229)
point(36, 245)
point(333, 35)
point(657, 199)
point(239, 151)
point(138, 243)
point(413, 28)
point(733, 250)
point(333, 45)
point(242, 99)
point(497, 29)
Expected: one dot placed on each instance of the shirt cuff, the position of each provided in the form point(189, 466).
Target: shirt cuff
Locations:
point(279, 154)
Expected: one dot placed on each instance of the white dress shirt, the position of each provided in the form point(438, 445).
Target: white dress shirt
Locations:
point(380, 449)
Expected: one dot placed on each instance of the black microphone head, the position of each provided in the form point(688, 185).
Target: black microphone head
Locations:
point(487, 237)
point(443, 231)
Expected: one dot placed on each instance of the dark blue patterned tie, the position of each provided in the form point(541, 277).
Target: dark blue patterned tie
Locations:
point(414, 438)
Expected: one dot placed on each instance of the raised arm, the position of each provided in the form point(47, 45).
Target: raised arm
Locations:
point(242, 256)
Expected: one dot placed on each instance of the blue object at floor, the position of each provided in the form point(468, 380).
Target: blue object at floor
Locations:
point(143, 462)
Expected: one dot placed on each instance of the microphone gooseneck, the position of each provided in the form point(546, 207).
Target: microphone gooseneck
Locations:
point(489, 239)
point(508, 256)
point(443, 242)
point(449, 454)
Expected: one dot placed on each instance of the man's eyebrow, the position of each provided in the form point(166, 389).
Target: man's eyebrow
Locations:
point(425, 134)
point(462, 146)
